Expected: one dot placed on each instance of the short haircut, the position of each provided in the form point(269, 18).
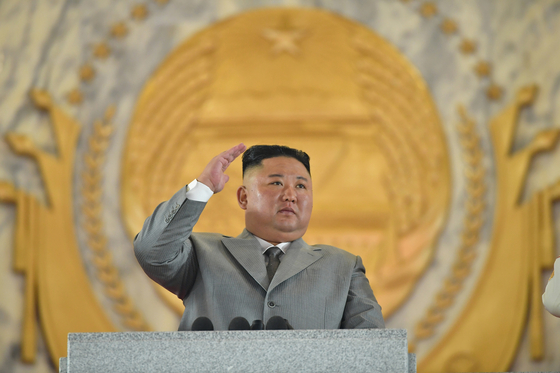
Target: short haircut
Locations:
point(254, 156)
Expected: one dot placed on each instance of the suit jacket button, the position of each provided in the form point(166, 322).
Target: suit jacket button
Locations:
point(271, 304)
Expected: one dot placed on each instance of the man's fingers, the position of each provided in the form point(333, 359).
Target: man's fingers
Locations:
point(235, 151)
point(213, 175)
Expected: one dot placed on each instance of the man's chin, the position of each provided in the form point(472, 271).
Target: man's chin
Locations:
point(290, 234)
point(281, 231)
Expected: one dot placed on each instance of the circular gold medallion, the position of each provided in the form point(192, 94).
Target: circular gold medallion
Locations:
point(315, 81)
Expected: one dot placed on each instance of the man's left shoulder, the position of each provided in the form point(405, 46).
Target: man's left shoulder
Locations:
point(333, 251)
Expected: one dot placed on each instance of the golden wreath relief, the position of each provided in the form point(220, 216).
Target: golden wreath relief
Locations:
point(315, 81)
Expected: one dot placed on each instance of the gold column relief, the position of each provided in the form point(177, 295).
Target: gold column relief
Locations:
point(487, 332)
point(315, 81)
point(46, 252)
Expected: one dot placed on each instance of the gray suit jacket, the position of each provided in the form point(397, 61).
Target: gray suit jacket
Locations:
point(220, 277)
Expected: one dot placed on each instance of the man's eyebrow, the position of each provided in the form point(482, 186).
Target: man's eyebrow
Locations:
point(280, 175)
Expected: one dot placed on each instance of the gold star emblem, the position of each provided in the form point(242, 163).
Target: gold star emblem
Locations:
point(428, 9)
point(284, 40)
point(119, 30)
point(468, 46)
point(494, 92)
point(448, 26)
point(101, 50)
point(75, 97)
point(482, 69)
point(87, 73)
point(139, 12)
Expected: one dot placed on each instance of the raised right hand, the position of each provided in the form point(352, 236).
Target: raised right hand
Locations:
point(214, 176)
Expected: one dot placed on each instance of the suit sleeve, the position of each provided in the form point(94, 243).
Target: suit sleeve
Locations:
point(362, 310)
point(163, 247)
point(551, 296)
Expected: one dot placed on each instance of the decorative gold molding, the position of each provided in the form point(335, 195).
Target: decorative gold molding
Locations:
point(119, 30)
point(139, 12)
point(494, 91)
point(75, 96)
point(92, 210)
point(506, 297)
point(474, 205)
point(101, 50)
point(448, 26)
point(87, 73)
point(483, 69)
point(468, 46)
point(428, 9)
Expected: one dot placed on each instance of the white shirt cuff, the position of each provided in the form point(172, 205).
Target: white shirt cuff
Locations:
point(198, 191)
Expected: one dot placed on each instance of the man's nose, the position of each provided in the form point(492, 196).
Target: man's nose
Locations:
point(290, 194)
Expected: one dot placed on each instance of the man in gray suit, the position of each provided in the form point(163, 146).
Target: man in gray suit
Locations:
point(268, 270)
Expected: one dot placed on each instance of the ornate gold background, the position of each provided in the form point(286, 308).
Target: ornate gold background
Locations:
point(407, 191)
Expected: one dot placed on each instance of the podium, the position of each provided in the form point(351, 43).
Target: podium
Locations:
point(355, 350)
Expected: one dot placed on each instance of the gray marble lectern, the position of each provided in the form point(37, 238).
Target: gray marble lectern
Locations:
point(362, 350)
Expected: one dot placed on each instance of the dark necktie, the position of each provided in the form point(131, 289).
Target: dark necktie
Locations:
point(273, 253)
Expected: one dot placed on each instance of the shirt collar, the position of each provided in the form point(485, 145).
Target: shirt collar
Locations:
point(265, 245)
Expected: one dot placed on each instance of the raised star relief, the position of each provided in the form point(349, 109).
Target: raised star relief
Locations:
point(284, 40)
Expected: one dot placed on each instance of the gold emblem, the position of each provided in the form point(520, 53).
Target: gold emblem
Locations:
point(350, 99)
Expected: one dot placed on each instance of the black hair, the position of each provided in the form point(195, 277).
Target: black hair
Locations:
point(257, 153)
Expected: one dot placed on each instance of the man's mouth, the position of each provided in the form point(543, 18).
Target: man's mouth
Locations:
point(287, 210)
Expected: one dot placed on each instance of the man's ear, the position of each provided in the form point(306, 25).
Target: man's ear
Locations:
point(242, 197)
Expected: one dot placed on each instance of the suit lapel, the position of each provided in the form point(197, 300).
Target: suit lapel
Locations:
point(246, 250)
point(298, 257)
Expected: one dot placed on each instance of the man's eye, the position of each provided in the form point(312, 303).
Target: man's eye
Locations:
point(301, 186)
point(276, 183)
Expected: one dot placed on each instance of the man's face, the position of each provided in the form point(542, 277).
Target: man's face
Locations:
point(277, 198)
